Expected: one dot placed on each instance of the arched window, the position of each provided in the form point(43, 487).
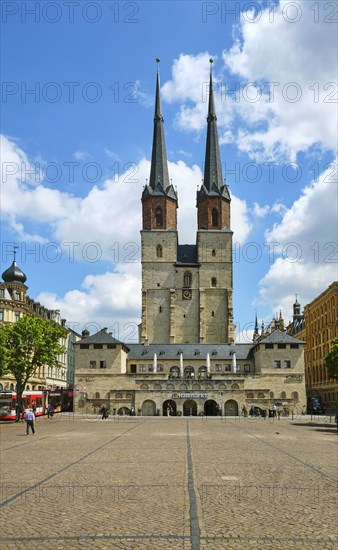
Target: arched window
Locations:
point(213, 282)
point(187, 279)
point(159, 251)
point(159, 216)
point(295, 395)
point(213, 253)
point(214, 217)
point(283, 395)
point(175, 372)
point(189, 372)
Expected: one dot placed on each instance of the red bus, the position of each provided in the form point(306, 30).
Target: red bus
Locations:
point(8, 403)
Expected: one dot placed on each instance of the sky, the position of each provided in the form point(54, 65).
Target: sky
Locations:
point(77, 107)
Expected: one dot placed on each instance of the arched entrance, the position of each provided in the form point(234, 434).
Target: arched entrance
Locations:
point(231, 408)
point(190, 408)
point(123, 411)
point(148, 408)
point(172, 406)
point(211, 408)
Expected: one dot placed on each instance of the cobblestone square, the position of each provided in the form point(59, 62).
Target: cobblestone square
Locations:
point(168, 482)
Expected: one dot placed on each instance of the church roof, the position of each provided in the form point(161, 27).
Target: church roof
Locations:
point(213, 184)
point(190, 351)
point(159, 183)
point(279, 337)
point(187, 254)
point(101, 337)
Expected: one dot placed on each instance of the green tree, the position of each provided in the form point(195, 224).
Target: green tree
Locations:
point(331, 360)
point(26, 345)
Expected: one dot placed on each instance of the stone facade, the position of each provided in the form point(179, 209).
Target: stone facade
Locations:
point(148, 378)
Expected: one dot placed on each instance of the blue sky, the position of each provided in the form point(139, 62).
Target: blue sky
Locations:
point(77, 118)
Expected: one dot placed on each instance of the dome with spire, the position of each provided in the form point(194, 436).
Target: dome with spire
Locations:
point(14, 274)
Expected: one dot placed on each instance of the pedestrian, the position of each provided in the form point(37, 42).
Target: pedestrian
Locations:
point(168, 410)
point(274, 409)
point(22, 412)
point(103, 411)
point(30, 419)
point(245, 410)
point(50, 411)
point(34, 408)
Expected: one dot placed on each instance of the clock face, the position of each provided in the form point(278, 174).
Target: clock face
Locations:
point(186, 294)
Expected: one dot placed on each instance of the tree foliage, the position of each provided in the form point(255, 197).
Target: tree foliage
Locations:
point(26, 345)
point(331, 360)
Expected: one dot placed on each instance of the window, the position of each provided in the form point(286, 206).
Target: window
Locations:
point(160, 367)
point(133, 369)
point(150, 368)
point(294, 346)
point(281, 346)
point(218, 367)
point(213, 253)
point(18, 295)
point(159, 251)
point(294, 395)
point(84, 346)
point(287, 364)
point(214, 217)
point(187, 279)
point(246, 368)
point(159, 217)
point(276, 364)
point(2, 293)
point(16, 316)
point(1, 314)
point(98, 346)
point(92, 364)
point(142, 368)
point(103, 364)
point(111, 346)
point(283, 395)
point(174, 372)
point(268, 346)
point(213, 282)
point(227, 368)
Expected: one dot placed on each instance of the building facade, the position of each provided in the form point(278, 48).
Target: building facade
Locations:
point(14, 303)
point(187, 361)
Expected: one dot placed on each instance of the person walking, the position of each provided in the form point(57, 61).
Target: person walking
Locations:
point(245, 410)
point(30, 419)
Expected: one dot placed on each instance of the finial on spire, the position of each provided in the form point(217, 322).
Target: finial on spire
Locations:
point(158, 63)
point(15, 248)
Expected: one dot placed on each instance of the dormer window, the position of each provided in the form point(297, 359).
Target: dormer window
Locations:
point(159, 217)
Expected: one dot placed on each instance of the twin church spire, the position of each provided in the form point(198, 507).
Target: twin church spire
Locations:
point(212, 213)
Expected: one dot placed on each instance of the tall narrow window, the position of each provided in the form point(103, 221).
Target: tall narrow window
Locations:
point(214, 217)
point(159, 251)
point(187, 278)
point(213, 282)
point(159, 217)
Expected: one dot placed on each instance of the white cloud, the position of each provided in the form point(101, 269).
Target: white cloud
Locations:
point(300, 67)
point(304, 245)
point(82, 155)
point(260, 211)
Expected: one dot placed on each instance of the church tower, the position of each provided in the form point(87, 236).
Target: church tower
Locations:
point(158, 238)
point(186, 289)
point(214, 241)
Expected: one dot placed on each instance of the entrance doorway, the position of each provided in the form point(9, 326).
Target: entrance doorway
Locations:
point(190, 408)
point(231, 408)
point(148, 408)
point(172, 405)
point(211, 408)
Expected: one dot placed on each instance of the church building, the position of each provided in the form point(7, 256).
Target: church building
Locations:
point(187, 361)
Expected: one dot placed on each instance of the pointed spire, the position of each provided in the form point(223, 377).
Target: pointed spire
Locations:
point(213, 180)
point(256, 330)
point(159, 177)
